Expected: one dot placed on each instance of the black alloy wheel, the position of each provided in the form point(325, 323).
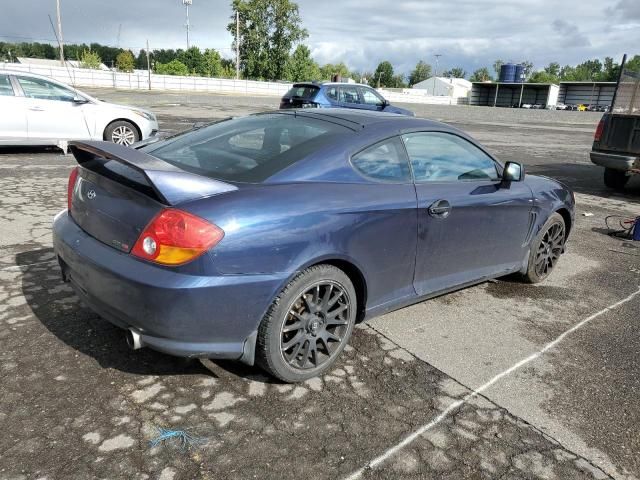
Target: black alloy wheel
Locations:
point(315, 326)
point(308, 324)
point(546, 249)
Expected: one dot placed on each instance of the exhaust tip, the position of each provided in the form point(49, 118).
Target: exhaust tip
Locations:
point(133, 339)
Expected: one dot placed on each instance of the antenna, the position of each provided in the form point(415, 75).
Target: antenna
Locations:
point(59, 36)
point(186, 4)
point(119, 32)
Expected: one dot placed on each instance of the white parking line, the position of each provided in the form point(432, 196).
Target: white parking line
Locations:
point(410, 438)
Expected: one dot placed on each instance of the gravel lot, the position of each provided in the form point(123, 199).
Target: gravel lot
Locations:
point(76, 403)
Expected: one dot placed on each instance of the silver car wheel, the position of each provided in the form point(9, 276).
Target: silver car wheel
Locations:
point(123, 135)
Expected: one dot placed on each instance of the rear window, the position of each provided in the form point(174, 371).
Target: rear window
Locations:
point(249, 149)
point(302, 91)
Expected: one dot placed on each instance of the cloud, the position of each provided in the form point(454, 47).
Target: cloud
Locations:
point(570, 34)
point(468, 33)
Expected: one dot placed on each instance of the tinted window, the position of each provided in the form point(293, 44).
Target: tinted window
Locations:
point(302, 91)
point(371, 98)
point(349, 95)
point(384, 161)
point(5, 86)
point(443, 157)
point(249, 149)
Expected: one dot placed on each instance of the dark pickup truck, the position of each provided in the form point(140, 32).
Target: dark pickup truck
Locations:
point(616, 143)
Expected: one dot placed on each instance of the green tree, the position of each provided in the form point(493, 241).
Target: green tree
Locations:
point(268, 31)
point(211, 64)
point(328, 70)
point(481, 75)
point(193, 59)
point(455, 72)
point(174, 67)
point(397, 81)
point(141, 59)
point(497, 65)
point(527, 67)
point(542, 76)
point(553, 69)
point(301, 67)
point(90, 59)
point(420, 73)
point(383, 76)
point(125, 61)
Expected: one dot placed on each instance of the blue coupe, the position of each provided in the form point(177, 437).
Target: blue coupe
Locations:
point(266, 238)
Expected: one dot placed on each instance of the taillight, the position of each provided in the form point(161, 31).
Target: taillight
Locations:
point(599, 129)
point(73, 178)
point(175, 237)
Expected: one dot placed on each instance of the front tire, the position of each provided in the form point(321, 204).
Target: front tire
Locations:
point(546, 249)
point(122, 133)
point(615, 179)
point(308, 325)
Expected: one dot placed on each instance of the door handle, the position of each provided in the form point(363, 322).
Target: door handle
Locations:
point(440, 209)
point(36, 109)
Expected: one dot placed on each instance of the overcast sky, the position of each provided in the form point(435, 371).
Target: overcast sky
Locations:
point(467, 33)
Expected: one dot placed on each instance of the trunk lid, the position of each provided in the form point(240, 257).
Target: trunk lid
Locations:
point(119, 190)
point(300, 95)
point(621, 133)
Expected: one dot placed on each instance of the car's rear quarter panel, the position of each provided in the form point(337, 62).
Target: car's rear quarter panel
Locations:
point(273, 229)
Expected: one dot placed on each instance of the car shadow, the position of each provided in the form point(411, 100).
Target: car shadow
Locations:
point(13, 150)
point(61, 312)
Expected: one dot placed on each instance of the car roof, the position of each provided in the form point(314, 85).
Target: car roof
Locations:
point(360, 119)
point(328, 84)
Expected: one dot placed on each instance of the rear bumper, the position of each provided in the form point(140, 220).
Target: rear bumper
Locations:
point(615, 161)
point(172, 312)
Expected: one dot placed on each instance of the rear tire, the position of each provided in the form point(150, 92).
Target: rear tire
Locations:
point(308, 325)
point(615, 179)
point(122, 133)
point(546, 249)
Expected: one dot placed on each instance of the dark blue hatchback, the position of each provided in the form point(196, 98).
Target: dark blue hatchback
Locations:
point(265, 238)
point(338, 95)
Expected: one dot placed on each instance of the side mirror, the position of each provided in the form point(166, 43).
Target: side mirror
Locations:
point(80, 100)
point(513, 172)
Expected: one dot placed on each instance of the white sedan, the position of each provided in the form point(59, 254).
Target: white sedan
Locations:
point(36, 110)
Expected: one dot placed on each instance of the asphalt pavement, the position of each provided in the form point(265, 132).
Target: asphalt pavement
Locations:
point(501, 380)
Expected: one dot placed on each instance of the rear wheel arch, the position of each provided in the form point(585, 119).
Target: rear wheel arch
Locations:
point(357, 279)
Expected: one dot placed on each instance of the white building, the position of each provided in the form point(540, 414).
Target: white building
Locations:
point(445, 87)
point(45, 62)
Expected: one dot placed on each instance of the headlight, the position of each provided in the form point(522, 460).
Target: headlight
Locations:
point(149, 116)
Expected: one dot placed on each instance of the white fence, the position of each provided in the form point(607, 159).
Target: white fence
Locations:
point(139, 80)
point(409, 95)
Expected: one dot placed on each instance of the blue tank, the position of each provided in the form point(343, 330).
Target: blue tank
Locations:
point(507, 73)
point(520, 76)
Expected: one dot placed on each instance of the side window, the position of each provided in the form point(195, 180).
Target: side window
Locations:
point(6, 90)
point(444, 157)
point(349, 95)
point(371, 98)
point(383, 161)
point(44, 90)
point(332, 93)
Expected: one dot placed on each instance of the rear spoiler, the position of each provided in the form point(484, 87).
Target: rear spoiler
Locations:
point(171, 184)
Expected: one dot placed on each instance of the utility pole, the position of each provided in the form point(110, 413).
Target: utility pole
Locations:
point(60, 32)
point(186, 3)
point(237, 45)
point(148, 65)
point(435, 75)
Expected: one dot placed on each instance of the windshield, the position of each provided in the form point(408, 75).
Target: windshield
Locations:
point(249, 149)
